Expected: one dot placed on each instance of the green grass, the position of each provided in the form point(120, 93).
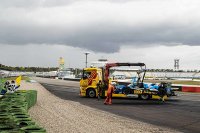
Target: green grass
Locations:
point(2, 82)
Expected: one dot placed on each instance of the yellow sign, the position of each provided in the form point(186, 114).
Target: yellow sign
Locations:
point(61, 61)
point(18, 80)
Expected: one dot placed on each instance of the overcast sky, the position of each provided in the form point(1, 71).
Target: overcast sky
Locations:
point(38, 32)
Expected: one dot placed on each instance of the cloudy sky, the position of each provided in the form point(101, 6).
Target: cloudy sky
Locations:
point(38, 32)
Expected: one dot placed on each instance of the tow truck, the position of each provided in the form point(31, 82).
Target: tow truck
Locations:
point(94, 83)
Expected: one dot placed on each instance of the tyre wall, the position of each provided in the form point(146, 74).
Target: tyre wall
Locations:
point(14, 117)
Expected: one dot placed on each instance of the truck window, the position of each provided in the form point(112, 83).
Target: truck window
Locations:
point(86, 74)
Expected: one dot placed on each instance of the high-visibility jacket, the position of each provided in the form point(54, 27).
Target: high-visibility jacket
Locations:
point(110, 89)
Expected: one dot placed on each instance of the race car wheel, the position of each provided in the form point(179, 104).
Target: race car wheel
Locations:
point(91, 93)
point(144, 96)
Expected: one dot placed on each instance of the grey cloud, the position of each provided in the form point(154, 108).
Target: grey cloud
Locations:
point(18, 3)
point(47, 3)
point(100, 36)
point(108, 40)
point(27, 4)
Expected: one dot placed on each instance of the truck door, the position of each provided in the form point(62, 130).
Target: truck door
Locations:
point(89, 78)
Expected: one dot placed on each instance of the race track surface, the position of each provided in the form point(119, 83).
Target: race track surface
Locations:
point(181, 113)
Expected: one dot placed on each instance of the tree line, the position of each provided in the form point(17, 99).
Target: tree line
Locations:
point(47, 69)
point(28, 69)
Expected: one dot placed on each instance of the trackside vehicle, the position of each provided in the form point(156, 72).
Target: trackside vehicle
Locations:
point(94, 83)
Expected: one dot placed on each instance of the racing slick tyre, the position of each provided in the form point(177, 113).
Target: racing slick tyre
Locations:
point(126, 90)
point(91, 93)
point(144, 96)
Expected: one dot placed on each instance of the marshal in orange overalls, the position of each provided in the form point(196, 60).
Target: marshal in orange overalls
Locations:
point(108, 99)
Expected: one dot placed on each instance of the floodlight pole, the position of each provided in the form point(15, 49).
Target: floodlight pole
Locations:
point(86, 54)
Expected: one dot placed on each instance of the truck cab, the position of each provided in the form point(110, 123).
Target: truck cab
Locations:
point(89, 80)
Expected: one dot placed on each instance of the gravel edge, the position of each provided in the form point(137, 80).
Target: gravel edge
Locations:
point(64, 116)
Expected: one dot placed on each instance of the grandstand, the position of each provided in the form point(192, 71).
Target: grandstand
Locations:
point(160, 75)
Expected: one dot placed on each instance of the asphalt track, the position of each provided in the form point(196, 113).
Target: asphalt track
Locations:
point(181, 113)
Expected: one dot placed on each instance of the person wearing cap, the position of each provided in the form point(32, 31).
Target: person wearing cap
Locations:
point(111, 88)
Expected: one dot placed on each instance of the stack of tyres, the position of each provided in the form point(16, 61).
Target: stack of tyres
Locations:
point(11, 103)
point(14, 116)
point(13, 131)
point(31, 96)
point(34, 97)
point(6, 122)
point(33, 128)
point(15, 102)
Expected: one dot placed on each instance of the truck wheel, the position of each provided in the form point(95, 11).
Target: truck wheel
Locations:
point(91, 93)
point(144, 96)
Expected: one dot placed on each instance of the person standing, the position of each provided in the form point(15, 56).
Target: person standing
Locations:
point(99, 89)
point(111, 88)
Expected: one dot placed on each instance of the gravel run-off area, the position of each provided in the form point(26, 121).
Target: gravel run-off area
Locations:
point(63, 116)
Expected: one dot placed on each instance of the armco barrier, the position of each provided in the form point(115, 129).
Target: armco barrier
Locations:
point(187, 88)
point(14, 116)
